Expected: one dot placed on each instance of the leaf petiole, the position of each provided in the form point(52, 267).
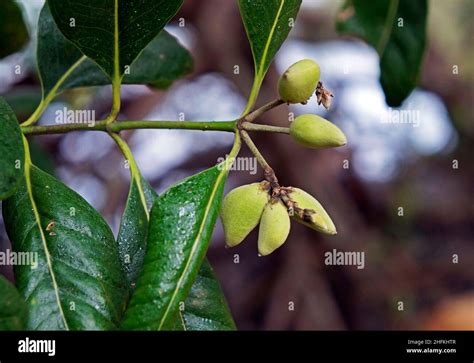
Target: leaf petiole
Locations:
point(134, 172)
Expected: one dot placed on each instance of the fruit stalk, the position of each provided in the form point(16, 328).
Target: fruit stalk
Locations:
point(252, 116)
point(255, 127)
point(267, 169)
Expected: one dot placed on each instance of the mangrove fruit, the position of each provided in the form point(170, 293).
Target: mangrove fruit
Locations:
point(315, 216)
point(241, 211)
point(274, 228)
point(299, 81)
point(313, 131)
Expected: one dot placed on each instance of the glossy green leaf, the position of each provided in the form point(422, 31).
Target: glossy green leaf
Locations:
point(397, 30)
point(181, 224)
point(13, 311)
point(267, 23)
point(13, 32)
point(78, 283)
point(205, 307)
point(112, 32)
point(11, 151)
point(61, 65)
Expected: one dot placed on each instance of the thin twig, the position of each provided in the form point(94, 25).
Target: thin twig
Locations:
point(227, 126)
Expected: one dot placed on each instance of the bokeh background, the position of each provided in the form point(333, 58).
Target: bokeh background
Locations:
point(426, 170)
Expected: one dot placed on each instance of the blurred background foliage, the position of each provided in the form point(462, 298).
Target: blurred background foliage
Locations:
point(408, 258)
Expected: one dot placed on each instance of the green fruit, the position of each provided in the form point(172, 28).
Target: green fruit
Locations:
point(315, 215)
point(241, 211)
point(274, 228)
point(315, 132)
point(299, 81)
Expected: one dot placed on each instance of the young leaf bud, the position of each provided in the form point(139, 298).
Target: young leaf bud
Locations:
point(315, 132)
point(241, 211)
point(274, 228)
point(313, 214)
point(299, 81)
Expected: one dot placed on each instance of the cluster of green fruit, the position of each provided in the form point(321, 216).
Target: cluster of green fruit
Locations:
point(247, 206)
point(297, 85)
point(267, 202)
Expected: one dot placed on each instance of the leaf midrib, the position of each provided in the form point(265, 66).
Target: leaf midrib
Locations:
point(260, 68)
point(117, 77)
point(270, 37)
point(388, 27)
point(29, 189)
